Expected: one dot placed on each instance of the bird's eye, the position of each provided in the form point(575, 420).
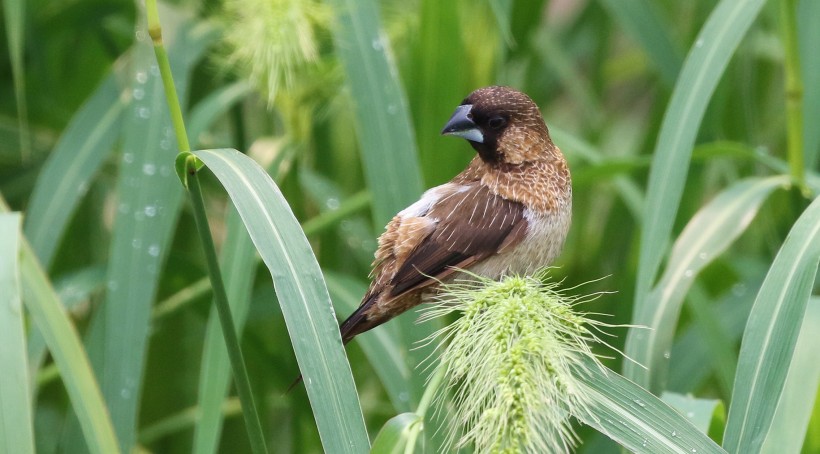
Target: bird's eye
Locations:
point(497, 122)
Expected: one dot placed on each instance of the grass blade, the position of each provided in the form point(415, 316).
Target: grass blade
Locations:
point(238, 264)
point(702, 70)
point(705, 414)
point(67, 173)
point(15, 14)
point(149, 200)
point(394, 435)
point(380, 345)
point(16, 431)
point(638, 420)
point(771, 334)
point(383, 122)
point(302, 295)
point(385, 132)
point(705, 237)
point(800, 390)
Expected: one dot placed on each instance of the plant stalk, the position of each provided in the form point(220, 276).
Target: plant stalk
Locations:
point(155, 32)
point(243, 385)
point(794, 94)
point(240, 373)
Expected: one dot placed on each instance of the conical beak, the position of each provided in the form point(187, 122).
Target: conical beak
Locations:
point(461, 125)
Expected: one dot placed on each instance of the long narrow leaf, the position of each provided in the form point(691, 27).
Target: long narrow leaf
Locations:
point(16, 432)
point(67, 173)
point(800, 390)
point(302, 294)
point(149, 201)
point(638, 420)
point(238, 265)
point(707, 235)
point(702, 70)
point(15, 15)
point(385, 132)
point(771, 334)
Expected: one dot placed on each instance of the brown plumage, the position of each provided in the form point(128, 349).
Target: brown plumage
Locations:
point(507, 212)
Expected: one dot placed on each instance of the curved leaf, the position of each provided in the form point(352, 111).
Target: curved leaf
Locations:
point(701, 73)
point(638, 420)
point(16, 431)
point(706, 236)
point(771, 334)
point(393, 437)
point(302, 294)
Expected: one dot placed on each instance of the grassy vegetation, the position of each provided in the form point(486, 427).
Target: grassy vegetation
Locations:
point(691, 132)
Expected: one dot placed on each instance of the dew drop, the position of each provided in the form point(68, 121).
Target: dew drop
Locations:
point(128, 158)
point(739, 289)
point(667, 355)
point(125, 393)
point(694, 450)
point(154, 70)
point(699, 43)
point(139, 93)
point(392, 109)
point(404, 396)
point(149, 169)
point(688, 273)
point(150, 210)
point(332, 203)
point(674, 433)
point(690, 414)
point(143, 112)
point(153, 250)
point(141, 77)
point(377, 44)
point(703, 256)
point(140, 35)
point(165, 144)
point(136, 243)
point(639, 403)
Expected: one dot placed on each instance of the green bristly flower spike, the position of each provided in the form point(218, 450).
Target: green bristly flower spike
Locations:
point(511, 362)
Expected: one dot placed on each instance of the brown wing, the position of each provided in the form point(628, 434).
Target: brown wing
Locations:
point(469, 227)
point(419, 248)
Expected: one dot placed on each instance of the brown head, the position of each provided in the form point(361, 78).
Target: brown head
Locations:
point(503, 125)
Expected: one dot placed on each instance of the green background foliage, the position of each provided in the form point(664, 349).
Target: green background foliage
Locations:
point(691, 133)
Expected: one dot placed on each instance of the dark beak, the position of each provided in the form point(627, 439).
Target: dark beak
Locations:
point(461, 124)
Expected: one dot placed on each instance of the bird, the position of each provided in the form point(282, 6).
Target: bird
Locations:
point(508, 212)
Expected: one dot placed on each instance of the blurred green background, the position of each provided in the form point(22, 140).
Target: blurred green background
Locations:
point(86, 153)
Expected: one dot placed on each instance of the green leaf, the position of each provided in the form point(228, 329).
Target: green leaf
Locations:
point(702, 70)
point(66, 175)
point(706, 236)
point(15, 15)
point(16, 432)
point(393, 436)
point(148, 206)
point(302, 294)
point(771, 334)
point(380, 344)
point(64, 344)
point(705, 414)
point(638, 420)
point(385, 132)
point(800, 390)
point(238, 265)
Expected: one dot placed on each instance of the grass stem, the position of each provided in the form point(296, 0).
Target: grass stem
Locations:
point(794, 94)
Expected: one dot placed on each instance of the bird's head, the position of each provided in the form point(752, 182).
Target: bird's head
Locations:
point(503, 125)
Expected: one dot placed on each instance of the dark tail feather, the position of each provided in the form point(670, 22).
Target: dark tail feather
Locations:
point(352, 326)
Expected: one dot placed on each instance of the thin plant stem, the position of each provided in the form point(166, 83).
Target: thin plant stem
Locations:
point(243, 385)
point(155, 32)
point(794, 94)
